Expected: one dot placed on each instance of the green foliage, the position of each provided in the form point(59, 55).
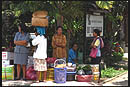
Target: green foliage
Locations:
point(78, 68)
point(110, 56)
point(21, 11)
point(87, 68)
point(110, 72)
point(105, 4)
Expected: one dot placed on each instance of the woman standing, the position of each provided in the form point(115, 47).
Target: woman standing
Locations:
point(59, 44)
point(97, 43)
point(40, 55)
point(21, 51)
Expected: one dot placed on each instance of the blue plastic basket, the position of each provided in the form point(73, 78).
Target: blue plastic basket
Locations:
point(60, 75)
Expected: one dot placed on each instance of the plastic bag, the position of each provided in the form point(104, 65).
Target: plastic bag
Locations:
point(31, 73)
point(50, 60)
point(81, 72)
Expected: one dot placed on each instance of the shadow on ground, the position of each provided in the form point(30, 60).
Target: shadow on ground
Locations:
point(122, 83)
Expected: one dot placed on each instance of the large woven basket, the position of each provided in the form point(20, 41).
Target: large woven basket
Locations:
point(38, 21)
point(40, 14)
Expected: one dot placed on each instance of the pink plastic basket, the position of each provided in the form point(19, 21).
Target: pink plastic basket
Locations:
point(84, 78)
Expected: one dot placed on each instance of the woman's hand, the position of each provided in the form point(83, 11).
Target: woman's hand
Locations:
point(59, 45)
point(22, 43)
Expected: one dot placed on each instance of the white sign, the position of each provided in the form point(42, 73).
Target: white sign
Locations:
point(93, 22)
point(7, 55)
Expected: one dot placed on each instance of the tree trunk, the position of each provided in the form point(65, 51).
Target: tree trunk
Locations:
point(126, 32)
point(60, 21)
point(109, 27)
point(68, 42)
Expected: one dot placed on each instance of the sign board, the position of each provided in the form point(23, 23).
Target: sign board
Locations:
point(93, 22)
point(7, 55)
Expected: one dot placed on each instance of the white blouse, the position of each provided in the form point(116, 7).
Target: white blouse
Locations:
point(41, 51)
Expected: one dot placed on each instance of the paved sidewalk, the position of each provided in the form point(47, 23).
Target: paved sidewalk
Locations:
point(68, 83)
point(48, 83)
point(120, 81)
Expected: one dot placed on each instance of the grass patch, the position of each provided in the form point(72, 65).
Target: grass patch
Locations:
point(111, 72)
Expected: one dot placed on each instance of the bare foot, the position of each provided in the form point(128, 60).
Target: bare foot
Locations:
point(37, 81)
point(44, 81)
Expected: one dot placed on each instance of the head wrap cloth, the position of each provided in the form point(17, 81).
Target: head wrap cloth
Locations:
point(41, 30)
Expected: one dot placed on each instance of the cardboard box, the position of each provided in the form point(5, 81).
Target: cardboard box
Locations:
point(8, 72)
point(7, 55)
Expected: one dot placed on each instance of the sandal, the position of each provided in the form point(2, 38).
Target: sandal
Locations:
point(24, 79)
point(37, 81)
point(44, 81)
point(17, 78)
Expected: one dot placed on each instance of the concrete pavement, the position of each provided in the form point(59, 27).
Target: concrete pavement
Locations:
point(119, 81)
point(68, 83)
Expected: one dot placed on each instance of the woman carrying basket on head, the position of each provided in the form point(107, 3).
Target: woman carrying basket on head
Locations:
point(40, 55)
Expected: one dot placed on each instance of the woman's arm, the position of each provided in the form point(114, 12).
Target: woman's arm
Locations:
point(64, 42)
point(22, 43)
point(35, 41)
point(97, 43)
point(53, 42)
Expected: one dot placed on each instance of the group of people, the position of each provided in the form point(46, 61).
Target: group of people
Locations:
point(59, 42)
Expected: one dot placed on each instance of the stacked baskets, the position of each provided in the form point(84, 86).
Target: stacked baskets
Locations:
point(40, 19)
point(50, 74)
point(95, 69)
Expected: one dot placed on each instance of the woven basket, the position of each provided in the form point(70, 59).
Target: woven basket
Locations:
point(40, 14)
point(37, 21)
point(50, 74)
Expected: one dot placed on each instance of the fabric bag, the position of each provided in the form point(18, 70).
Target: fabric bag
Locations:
point(50, 60)
point(93, 52)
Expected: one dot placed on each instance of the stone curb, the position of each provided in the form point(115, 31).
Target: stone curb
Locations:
point(113, 77)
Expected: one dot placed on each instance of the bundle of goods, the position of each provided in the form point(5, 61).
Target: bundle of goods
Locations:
point(71, 76)
point(40, 18)
point(7, 58)
point(84, 73)
point(31, 73)
point(84, 70)
point(50, 74)
point(96, 76)
point(71, 71)
point(8, 72)
point(60, 71)
point(95, 69)
point(50, 61)
point(71, 67)
point(30, 61)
